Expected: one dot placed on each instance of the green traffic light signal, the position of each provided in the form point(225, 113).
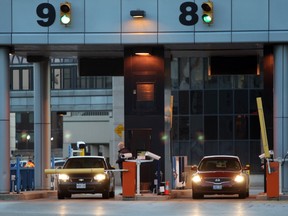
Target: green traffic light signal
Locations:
point(207, 15)
point(65, 13)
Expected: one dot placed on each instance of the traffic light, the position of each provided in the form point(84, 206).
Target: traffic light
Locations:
point(207, 9)
point(65, 13)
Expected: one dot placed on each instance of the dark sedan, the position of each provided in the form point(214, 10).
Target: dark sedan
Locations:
point(78, 178)
point(220, 174)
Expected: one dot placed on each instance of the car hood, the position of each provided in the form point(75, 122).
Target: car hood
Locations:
point(218, 173)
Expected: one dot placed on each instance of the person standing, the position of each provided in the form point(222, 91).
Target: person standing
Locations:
point(122, 150)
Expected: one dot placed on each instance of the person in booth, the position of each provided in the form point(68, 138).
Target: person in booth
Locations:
point(122, 150)
point(29, 164)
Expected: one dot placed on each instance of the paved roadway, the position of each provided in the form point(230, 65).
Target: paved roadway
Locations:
point(95, 205)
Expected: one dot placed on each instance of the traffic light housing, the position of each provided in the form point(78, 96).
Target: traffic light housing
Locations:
point(207, 15)
point(65, 13)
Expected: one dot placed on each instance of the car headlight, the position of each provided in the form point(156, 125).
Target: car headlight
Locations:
point(239, 179)
point(63, 177)
point(100, 177)
point(196, 179)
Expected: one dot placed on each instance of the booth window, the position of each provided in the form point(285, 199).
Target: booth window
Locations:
point(145, 92)
point(145, 96)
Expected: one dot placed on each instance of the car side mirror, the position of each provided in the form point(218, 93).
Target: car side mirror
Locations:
point(246, 167)
point(194, 167)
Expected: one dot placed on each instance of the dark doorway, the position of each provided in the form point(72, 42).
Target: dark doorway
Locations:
point(139, 140)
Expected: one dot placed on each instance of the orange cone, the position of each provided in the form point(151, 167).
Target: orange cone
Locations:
point(167, 192)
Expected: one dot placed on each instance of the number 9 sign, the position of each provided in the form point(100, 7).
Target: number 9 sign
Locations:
point(47, 12)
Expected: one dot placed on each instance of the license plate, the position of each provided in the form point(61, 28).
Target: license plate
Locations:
point(217, 187)
point(80, 185)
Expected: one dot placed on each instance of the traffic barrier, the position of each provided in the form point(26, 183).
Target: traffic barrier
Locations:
point(24, 181)
point(167, 190)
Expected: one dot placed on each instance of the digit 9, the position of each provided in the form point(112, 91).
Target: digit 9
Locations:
point(47, 13)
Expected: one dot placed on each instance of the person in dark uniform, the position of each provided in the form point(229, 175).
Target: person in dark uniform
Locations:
point(122, 150)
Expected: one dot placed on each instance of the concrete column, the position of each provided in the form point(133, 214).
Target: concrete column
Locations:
point(42, 124)
point(168, 118)
point(4, 121)
point(281, 108)
point(118, 120)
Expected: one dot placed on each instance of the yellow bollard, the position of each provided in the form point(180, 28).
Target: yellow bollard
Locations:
point(82, 152)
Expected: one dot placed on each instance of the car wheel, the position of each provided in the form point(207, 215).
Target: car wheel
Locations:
point(112, 194)
point(60, 195)
point(105, 195)
point(197, 196)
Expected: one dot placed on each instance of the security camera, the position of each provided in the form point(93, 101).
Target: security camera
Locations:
point(151, 155)
point(262, 156)
point(80, 145)
point(126, 155)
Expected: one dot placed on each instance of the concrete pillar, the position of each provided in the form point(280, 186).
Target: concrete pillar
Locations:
point(168, 118)
point(4, 121)
point(118, 121)
point(42, 124)
point(281, 109)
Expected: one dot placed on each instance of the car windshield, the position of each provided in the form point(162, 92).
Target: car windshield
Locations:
point(219, 164)
point(84, 163)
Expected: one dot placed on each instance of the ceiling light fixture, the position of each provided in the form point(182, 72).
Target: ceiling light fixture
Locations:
point(137, 13)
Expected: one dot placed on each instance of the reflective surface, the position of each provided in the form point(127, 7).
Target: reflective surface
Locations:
point(95, 205)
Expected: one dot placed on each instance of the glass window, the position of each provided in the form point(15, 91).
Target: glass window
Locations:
point(241, 101)
point(183, 128)
point(174, 73)
point(211, 82)
point(210, 102)
point(226, 147)
point(21, 79)
point(183, 102)
point(241, 81)
point(225, 82)
point(211, 148)
point(184, 148)
point(225, 127)
point(184, 74)
point(25, 79)
point(18, 117)
point(242, 151)
point(196, 102)
point(210, 128)
point(175, 133)
point(225, 102)
point(196, 152)
point(196, 73)
point(241, 127)
point(196, 128)
point(256, 82)
point(16, 79)
point(254, 127)
point(67, 78)
point(175, 149)
point(56, 78)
